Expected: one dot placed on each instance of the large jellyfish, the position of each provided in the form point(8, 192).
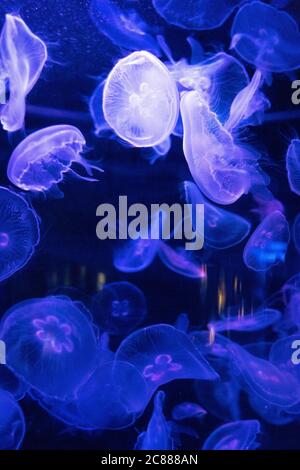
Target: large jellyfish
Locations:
point(162, 354)
point(19, 233)
point(12, 423)
point(196, 14)
point(119, 308)
point(41, 160)
point(266, 37)
point(250, 322)
point(293, 165)
point(238, 435)
point(51, 344)
point(140, 100)
point(22, 56)
point(268, 244)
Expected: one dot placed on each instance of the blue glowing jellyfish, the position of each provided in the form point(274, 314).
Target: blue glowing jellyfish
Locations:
point(285, 353)
point(222, 229)
point(51, 344)
point(157, 435)
point(270, 413)
point(181, 261)
point(135, 255)
point(19, 233)
point(12, 423)
point(22, 57)
point(186, 410)
point(196, 14)
point(238, 435)
point(125, 28)
point(249, 322)
point(162, 354)
point(119, 308)
point(293, 165)
point(268, 244)
point(266, 37)
point(40, 161)
point(140, 100)
point(296, 232)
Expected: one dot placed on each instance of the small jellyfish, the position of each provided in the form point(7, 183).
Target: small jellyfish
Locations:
point(186, 410)
point(268, 244)
point(293, 165)
point(119, 308)
point(196, 14)
point(135, 255)
point(181, 261)
point(41, 160)
point(238, 435)
point(296, 232)
point(158, 434)
point(266, 37)
point(222, 229)
point(12, 423)
point(162, 354)
point(140, 100)
point(19, 234)
point(249, 322)
point(51, 344)
point(22, 58)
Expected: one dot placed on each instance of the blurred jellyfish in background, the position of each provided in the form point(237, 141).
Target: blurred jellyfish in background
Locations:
point(124, 27)
point(249, 322)
point(135, 255)
point(293, 165)
point(268, 244)
point(187, 410)
point(181, 261)
point(266, 37)
point(12, 424)
point(19, 233)
point(140, 100)
point(22, 58)
point(238, 435)
point(196, 14)
point(40, 162)
point(296, 232)
point(119, 308)
point(51, 344)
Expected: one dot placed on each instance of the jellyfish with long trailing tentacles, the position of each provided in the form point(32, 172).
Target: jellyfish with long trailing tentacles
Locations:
point(19, 233)
point(51, 344)
point(140, 100)
point(12, 422)
point(22, 58)
point(266, 37)
point(41, 160)
point(238, 435)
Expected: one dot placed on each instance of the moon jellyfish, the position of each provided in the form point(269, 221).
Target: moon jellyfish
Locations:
point(268, 244)
point(51, 344)
point(157, 435)
point(19, 233)
point(186, 410)
point(293, 165)
point(140, 100)
point(41, 160)
point(135, 255)
point(181, 262)
point(12, 423)
point(270, 413)
point(119, 308)
point(196, 14)
point(266, 37)
point(22, 58)
point(238, 435)
point(162, 354)
point(250, 322)
point(222, 229)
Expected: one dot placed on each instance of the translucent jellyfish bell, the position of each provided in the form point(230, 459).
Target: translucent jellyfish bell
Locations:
point(250, 322)
point(41, 160)
point(12, 423)
point(293, 165)
point(140, 100)
point(19, 233)
point(186, 410)
point(238, 435)
point(135, 255)
point(22, 56)
point(51, 344)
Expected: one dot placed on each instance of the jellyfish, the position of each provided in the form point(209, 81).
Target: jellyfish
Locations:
point(293, 165)
point(250, 322)
point(181, 262)
point(19, 234)
point(266, 37)
point(296, 232)
point(119, 308)
point(268, 244)
point(22, 58)
point(12, 384)
point(140, 100)
point(157, 435)
point(41, 160)
point(222, 229)
point(125, 29)
point(237, 435)
point(199, 14)
point(135, 255)
point(51, 344)
point(270, 413)
point(12, 423)
point(186, 410)
point(163, 354)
